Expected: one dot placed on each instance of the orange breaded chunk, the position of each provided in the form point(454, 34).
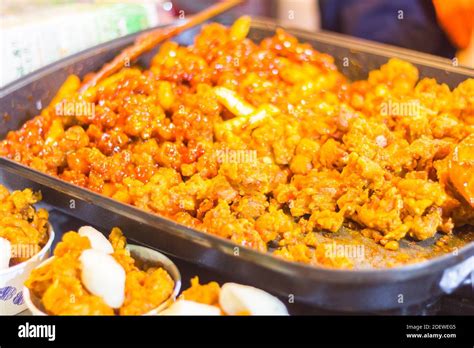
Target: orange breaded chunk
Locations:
point(202, 293)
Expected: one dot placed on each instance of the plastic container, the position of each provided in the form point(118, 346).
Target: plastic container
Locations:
point(11, 280)
point(143, 254)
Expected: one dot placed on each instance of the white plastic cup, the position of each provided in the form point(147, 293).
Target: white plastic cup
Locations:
point(144, 254)
point(11, 280)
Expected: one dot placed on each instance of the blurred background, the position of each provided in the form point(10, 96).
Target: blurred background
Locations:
point(35, 33)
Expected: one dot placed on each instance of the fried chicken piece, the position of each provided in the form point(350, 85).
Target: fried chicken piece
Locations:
point(202, 293)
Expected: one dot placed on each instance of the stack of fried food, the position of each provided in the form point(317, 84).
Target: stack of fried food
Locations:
point(266, 143)
point(23, 229)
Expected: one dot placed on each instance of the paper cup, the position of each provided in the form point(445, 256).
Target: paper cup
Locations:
point(139, 253)
point(11, 280)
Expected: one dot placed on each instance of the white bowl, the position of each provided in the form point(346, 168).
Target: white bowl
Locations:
point(12, 300)
point(143, 254)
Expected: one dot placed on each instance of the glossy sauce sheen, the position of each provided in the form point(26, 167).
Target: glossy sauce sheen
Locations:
point(266, 144)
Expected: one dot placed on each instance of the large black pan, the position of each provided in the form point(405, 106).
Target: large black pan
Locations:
point(342, 290)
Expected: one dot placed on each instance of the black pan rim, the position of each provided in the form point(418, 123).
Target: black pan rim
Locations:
point(329, 274)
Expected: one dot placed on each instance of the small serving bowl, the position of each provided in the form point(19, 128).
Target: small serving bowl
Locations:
point(12, 299)
point(141, 254)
